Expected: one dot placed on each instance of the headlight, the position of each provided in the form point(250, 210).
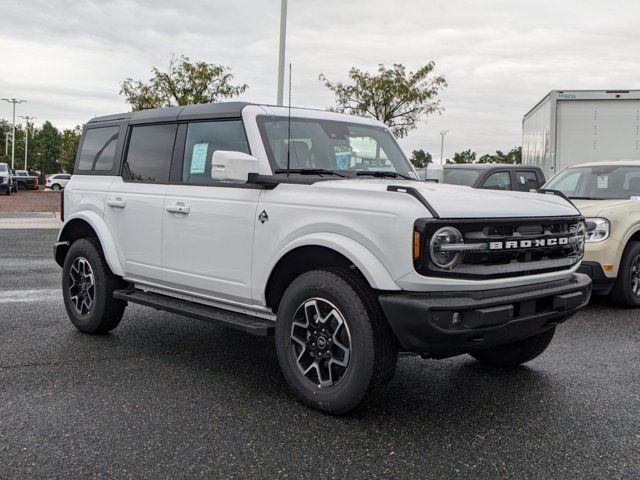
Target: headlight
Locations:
point(597, 230)
point(442, 255)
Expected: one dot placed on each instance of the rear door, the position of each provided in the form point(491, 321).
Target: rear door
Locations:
point(208, 226)
point(135, 202)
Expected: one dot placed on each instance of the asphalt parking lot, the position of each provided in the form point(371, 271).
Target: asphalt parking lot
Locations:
point(168, 397)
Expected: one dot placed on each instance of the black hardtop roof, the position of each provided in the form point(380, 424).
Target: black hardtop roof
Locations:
point(487, 166)
point(188, 112)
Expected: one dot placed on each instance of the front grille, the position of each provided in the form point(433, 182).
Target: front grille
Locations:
point(505, 248)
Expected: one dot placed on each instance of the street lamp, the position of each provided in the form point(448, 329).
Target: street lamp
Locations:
point(281, 49)
point(13, 128)
point(26, 137)
point(442, 134)
point(7, 134)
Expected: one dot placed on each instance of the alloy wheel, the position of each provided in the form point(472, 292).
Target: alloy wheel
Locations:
point(635, 276)
point(81, 285)
point(320, 342)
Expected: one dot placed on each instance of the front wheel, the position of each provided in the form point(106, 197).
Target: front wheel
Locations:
point(334, 345)
point(55, 187)
point(87, 289)
point(626, 290)
point(516, 353)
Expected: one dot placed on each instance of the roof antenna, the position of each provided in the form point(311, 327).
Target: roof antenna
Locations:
point(289, 128)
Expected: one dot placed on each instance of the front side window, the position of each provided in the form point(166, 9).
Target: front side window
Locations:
point(598, 183)
point(526, 180)
point(203, 139)
point(3, 168)
point(149, 154)
point(332, 145)
point(498, 181)
point(98, 149)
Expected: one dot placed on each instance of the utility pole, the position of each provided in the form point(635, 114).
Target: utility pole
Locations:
point(26, 137)
point(281, 50)
point(13, 129)
point(6, 143)
point(442, 134)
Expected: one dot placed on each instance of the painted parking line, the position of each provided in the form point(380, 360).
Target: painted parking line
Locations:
point(30, 296)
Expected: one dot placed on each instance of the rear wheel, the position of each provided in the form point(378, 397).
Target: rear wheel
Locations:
point(334, 346)
point(55, 187)
point(626, 290)
point(8, 190)
point(87, 288)
point(516, 353)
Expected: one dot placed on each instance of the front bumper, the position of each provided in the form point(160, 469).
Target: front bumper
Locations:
point(426, 323)
point(601, 284)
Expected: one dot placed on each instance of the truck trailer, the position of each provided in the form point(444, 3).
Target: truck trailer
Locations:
point(570, 127)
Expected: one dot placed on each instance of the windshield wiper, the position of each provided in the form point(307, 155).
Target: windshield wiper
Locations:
point(382, 173)
point(309, 171)
point(587, 198)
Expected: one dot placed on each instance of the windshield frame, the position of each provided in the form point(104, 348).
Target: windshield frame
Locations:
point(585, 172)
point(409, 174)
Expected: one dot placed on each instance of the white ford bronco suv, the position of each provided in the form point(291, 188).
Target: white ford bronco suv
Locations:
point(311, 227)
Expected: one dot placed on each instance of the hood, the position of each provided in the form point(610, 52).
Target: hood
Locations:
point(454, 201)
point(593, 208)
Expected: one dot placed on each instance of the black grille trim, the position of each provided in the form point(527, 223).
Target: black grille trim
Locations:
point(502, 263)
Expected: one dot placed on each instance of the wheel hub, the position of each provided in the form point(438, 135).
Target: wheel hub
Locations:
point(81, 285)
point(320, 342)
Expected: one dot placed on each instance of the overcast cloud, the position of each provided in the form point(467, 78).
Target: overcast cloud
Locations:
point(67, 58)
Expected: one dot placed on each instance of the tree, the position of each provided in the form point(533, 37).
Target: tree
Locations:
point(420, 158)
point(514, 156)
point(393, 96)
point(184, 83)
point(466, 156)
point(47, 149)
point(69, 140)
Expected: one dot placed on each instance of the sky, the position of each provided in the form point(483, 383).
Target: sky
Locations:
point(68, 58)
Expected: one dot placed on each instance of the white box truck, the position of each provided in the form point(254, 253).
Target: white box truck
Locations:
point(569, 127)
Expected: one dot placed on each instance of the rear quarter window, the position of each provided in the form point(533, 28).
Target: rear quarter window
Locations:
point(98, 149)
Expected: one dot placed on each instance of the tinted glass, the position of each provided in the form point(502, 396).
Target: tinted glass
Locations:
point(332, 145)
point(461, 176)
point(498, 181)
point(150, 151)
point(599, 183)
point(526, 180)
point(98, 149)
point(205, 138)
point(3, 168)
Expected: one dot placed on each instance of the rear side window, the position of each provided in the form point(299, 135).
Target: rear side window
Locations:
point(98, 149)
point(149, 154)
point(203, 139)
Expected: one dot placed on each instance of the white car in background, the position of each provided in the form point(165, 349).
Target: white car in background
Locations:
point(57, 181)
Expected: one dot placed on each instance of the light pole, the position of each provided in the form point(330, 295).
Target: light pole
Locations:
point(283, 39)
point(442, 134)
point(13, 129)
point(6, 143)
point(26, 137)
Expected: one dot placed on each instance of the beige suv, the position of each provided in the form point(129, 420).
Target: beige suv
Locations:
point(608, 195)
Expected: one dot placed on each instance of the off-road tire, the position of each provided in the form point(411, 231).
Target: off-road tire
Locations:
point(622, 292)
point(106, 312)
point(373, 347)
point(516, 353)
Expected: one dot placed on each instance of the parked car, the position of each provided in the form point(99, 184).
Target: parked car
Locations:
point(494, 176)
point(608, 195)
point(22, 180)
point(6, 183)
point(278, 225)
point(57, 181)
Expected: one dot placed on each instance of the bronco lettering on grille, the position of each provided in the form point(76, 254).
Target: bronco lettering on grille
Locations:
point(535, 243)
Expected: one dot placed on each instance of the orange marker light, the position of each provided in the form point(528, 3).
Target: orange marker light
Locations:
point(416, 245)
point(608, 267)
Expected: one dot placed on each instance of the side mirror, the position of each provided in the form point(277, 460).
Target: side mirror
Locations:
point(227, 166)
point(434, 173)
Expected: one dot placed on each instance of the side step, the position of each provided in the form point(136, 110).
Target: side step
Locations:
point(226, 318)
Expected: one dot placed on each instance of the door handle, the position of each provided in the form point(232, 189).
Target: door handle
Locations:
point(178, 208)
point(117, 202)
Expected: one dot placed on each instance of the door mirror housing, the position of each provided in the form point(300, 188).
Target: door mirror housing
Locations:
point(228, 166)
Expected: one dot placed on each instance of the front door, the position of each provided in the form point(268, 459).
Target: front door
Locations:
point(135, 202)
point(208, 226)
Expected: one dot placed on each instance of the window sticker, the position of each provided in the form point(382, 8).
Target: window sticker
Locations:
point(343, 160)
point(603, 181)
point(199, 157)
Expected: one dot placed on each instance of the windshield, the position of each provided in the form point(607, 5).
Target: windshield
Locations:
point(331, 145)
point(461, 176)
point(598, 183)
point(3, 167)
